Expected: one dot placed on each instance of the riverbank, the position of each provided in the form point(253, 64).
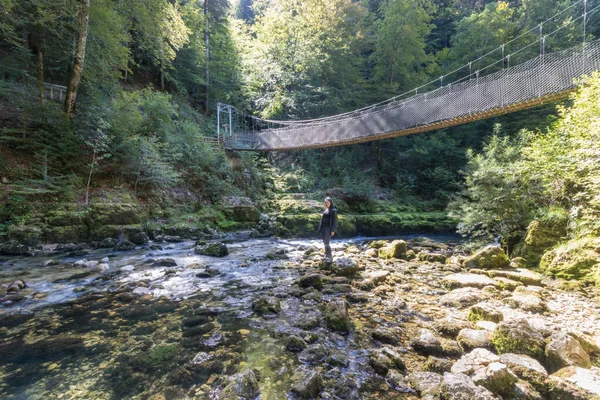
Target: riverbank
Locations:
point(393, 320)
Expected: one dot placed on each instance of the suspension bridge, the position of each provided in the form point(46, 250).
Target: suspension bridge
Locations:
point(494, 89)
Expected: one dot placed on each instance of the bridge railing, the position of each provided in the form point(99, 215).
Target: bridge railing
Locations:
point(543, 78)
point(54, 92)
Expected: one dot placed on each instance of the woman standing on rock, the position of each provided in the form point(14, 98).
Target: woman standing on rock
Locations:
point(328, 226)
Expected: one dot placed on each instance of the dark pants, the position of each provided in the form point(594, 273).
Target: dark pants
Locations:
point(326, 236)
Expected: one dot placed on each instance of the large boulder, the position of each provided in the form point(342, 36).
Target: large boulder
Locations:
point(212, 250)
point(307, 385)
point(461, 387)
point(563, 350)
point(518, 336)
point(266, 305)
point(345, 266)
point(526, 368)
point(463, 297)
point(490, 257)
point(139, 238)
point(396, 249)
point(426, 383)
point(337, 317)
point(13, 248)
point(311, 280)
point(575, 383)
point(541, 235)
point(454, 281)
point(484, 313)
point(473, 338)
point(242, 386)
point(426, 343)
point(576, 259)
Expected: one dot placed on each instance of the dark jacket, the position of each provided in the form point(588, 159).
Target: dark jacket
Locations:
point(333, 219)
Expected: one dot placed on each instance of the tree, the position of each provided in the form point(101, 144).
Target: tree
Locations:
point(481, 33)
point(400, 59)
point(300, 56)
point(79, 58)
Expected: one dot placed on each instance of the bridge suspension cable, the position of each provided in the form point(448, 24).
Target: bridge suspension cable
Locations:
point(489, 88)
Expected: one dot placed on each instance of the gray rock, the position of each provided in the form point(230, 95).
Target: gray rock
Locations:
point(311, 280)
point(386, 335)
point(524, 391)
point(397, 361)
point(345, 266)
point(107, 243)
point(398, 381)
point(295, 343)
point(468, 280)
point(306, 321)
point(489, 257)
point(266, 305)
point(496, 377)
point(439, 365)
point(16, 286)
point(426, 343)
point(461, 387)
point(242, 386)
point(563, 350)
point(426, 383)
point(139, 238)
point(378, 277)
point(475, 360)
point(463, 297)
point(212, 250)
point(165, 262)
point(380, 362)
point(576, 382)
point(451, 326)
point(313, 354)
point(526, 368)
point(307, 385)
point(518, 336)
point(469, 339)
point(124, 245)
point(13, 248)
point(337, 317)
point(527, 302)
point(484, 312)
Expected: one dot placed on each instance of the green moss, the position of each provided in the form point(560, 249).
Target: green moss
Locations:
point(518, 337)
point(541, 235)
point(575, 259)
point(161, 355)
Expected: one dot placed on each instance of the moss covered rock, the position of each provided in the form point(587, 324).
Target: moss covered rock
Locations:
point(337, 317)
point(576, 259)
point(212, 250)
point(396, 249)
point(541, 235)
point(489, 257)
point(518, 336)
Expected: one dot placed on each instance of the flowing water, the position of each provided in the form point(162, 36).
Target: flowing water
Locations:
point(122, 326)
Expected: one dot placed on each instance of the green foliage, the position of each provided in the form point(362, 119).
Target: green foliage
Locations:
point(496, 200)
point(401, 61)
point(542, 174)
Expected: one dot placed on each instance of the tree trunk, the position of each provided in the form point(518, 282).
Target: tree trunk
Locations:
point(206, 38)
point(40, 71)
point(73, 87)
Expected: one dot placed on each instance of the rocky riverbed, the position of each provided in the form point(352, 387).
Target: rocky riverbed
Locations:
point(387, 320)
